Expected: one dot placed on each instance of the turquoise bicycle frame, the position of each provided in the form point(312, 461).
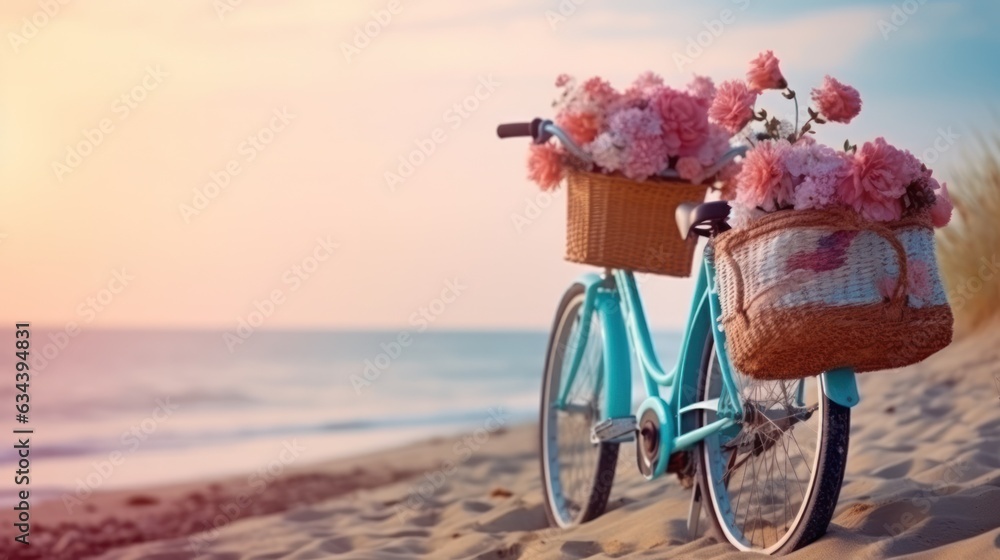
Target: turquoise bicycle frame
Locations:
point(615, 297)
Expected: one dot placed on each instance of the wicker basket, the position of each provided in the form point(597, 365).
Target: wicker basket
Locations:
point(615, 222)
point(805, 292)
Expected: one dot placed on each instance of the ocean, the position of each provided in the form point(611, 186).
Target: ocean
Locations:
point(127, 409)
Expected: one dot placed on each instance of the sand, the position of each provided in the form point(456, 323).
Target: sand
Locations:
point(923, 480)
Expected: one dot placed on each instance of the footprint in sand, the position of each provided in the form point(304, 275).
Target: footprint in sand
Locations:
point(476, 507)
point(337, 545)
point(897, 470)
point(519, 519)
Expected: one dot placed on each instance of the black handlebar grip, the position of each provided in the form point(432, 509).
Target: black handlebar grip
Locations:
point(514, 129)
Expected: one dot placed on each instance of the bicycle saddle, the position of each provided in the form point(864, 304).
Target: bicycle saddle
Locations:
point(702, 219)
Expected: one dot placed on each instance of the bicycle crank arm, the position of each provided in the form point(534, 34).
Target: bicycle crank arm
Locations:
point(614, 430)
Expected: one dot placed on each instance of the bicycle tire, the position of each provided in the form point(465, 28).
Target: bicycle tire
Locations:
point(599, 480)
point(817, 509)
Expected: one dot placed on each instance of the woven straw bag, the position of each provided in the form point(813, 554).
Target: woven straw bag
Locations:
point(805, 292)
point(615, 222)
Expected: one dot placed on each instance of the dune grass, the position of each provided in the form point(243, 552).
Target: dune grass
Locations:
point(968, 249)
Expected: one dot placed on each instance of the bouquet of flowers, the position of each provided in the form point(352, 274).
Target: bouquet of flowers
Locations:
point(831, 249)
point(648, 129)
point(787, 169)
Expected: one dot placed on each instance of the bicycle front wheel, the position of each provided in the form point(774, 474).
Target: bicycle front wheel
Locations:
point(771, 482)
point(577, 474)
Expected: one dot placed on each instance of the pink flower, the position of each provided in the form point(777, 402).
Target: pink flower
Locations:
point(607, 152)
point(599, 91)
point(764, 73)
point(685, 121)
point(689, 168)
point(882, 210)
point(714, 146)
point(637, 96)
point(805, 140)
point(581, 127)
point(633, 123)
point(836, 101)
point(811, 193)
point(545, 165)
point(941, 210)
point(740, 217)
point(763, 180)
point(638, 131)
point(875, 187)
point(702, 88)
point(727, 176)
point(816, 171)
point(593, 99)
point(733, 105)
point(816, 160)
point(644, 157)
point(647, 83)
point(909, 168)
point(918, 279)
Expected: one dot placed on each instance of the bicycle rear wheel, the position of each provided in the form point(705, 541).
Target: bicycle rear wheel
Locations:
point(577, 474)
point(771, 482)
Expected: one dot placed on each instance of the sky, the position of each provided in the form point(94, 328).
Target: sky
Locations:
point(184, 164)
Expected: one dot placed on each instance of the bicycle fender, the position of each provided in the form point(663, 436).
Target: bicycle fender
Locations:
point(841, 386)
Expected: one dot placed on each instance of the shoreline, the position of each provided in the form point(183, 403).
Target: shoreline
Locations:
point(112, 519)
point(923, 476)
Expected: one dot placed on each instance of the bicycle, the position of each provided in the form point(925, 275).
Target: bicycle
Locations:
point(769, 456)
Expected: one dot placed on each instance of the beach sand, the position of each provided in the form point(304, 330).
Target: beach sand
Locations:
point(923, 478)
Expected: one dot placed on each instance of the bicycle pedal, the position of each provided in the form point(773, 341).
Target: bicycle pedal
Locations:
point(614, 430)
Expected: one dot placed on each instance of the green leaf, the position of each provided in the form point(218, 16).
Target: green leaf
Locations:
point(812, 113)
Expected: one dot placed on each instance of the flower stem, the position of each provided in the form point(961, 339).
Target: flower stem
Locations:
point(799, 133)
point(795, 98)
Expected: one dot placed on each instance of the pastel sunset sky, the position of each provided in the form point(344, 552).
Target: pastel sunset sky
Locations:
point(302, 118)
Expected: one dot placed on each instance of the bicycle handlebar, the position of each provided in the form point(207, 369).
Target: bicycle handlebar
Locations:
point(514, 129)
point(541, 131)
